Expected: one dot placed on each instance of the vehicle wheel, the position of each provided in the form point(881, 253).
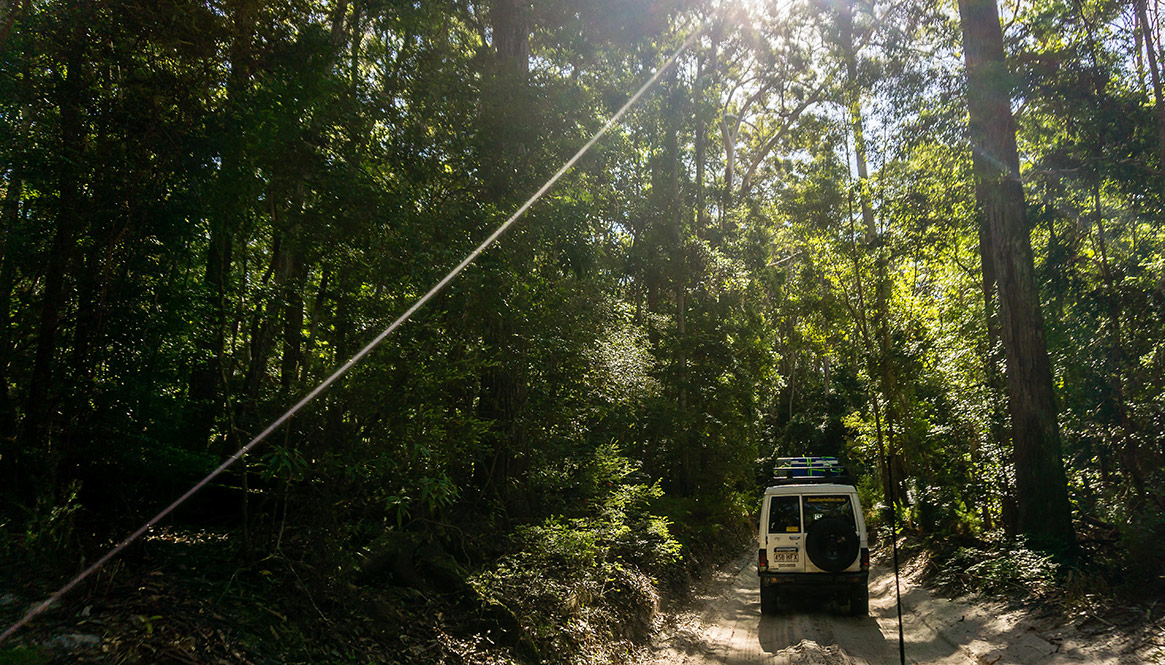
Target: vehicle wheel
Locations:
point(859, 601)
point(831, 544)
point(770, 602)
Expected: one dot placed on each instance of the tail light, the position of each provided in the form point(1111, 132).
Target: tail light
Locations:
point(762, 560)
point(865, 558)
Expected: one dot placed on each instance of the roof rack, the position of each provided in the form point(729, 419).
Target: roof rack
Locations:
point(803, 470)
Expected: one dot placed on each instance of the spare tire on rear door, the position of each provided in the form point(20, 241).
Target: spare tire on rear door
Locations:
point(831, 544)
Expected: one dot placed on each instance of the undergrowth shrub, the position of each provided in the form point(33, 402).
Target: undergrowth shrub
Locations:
point(43, 535)
point(710, 527)
point(584, 587)
point(1137, 564)
point(577, 586)
point(940, 513)
point(1081, 587)
point(1016, 569)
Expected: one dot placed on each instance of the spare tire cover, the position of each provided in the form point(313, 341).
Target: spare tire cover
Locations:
point(831, 544)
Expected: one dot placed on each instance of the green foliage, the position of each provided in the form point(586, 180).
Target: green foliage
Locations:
point(709, 527)
point(1140, 542)
point(48, 529)
point(615, 523)
point(579, 582)
point(939, 513)
point(206, 209)
point(1006, 571)
point(24, 656)
point(1134, 563)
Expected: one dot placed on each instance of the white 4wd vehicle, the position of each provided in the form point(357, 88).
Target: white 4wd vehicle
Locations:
point(813, 536)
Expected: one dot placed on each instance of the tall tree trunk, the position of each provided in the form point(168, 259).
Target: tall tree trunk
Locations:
point(701, 145)
point(670, 209)
point(260, 338)
point(1127, 445)
point(845, 21)
point(859, 312)
point(77, 372)
point(206, 389)
point(8, 16)
point(41, 402)
point(1146, 35)
point(10, 452)
point(292, 360)
point(993, 372)
point(729, 139)
point(880, 364)
point(501, 467)
point(293, 278)
point(1041, 488)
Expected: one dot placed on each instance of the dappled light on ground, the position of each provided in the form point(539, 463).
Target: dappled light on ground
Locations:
point(730, 630)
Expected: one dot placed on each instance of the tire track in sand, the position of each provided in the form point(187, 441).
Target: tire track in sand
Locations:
point(732, 631)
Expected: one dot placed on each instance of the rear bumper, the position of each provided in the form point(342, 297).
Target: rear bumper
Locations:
point(816, 581)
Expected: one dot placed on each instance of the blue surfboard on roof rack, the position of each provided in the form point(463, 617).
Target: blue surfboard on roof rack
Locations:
point(792, 470)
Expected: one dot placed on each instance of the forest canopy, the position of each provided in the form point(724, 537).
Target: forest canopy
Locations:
point(925, 237)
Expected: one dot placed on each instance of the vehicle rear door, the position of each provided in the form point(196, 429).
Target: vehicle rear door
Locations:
point(786, 539)
point(836, 506)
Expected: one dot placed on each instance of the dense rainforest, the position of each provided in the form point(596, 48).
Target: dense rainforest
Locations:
point(926, 237)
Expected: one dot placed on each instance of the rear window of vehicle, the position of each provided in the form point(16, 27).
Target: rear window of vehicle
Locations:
point(820, 506)
point(785, 514)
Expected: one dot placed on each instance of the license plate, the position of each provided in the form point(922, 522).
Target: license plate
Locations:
point(784, 557)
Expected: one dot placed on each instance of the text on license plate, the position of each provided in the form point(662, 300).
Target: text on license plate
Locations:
point(784, 557)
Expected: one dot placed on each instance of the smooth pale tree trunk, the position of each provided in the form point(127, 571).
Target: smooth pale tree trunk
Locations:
point(1155, 74)
point(702, 73)
point(845, 20)
point(1043, 512)
point(859, 310)
point(879, 365)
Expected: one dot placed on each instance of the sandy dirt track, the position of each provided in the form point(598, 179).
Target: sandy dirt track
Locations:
point(730, 630)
